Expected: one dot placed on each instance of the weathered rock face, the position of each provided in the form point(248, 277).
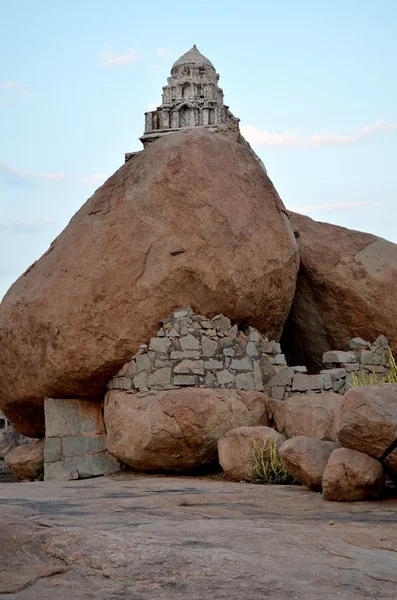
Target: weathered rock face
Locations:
point(176, 430)
point(347, 285)
point(309, 415)
point(235, 449)
point(351, 476)
point(366, 420)
point(192, 220)
point(306, 459)
point(26, 462)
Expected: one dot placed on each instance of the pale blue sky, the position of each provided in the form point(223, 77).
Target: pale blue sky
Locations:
point(313, 82)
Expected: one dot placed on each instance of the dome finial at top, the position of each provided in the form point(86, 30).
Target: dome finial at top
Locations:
point(194, 57)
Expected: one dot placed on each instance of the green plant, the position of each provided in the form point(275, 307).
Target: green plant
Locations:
point(366, 379)
point(268, 467)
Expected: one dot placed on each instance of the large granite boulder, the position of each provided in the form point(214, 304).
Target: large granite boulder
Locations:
point(192, 220)
point(306, 459)
point(351, 476)
point(236, 447)
point(366, 420)
point(176, 430)
point(312, 415)
point(347, 286)
point(27, 461)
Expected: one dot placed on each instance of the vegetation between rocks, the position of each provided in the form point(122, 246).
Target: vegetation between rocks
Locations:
point(268, 468)
point(374, 379)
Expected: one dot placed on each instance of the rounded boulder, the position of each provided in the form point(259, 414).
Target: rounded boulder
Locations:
point(191, 220)
point(176, 430)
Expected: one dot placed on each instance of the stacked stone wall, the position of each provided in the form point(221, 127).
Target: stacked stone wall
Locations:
point(192, 350)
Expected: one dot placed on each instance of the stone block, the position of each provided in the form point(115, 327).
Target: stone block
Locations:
point(213, 365)
point(241, 364)
point(184, 380)
point(254, 335)
point(244, 381)
point(358, 343)
point(221, 322)
point(224, 377)
point(81, 467)
point(189, 342)
point(53, 449)
point(271, 348)
point(181, 354)
point(128, 370)
point(160, 377)
point(277, 392)
point(120, 383)
point(279, 360)
point(334, 373)
point(299, 369)
point(367, 357)
point(338, 357)
point(143, 362)
point(81, 445)
point(251, 349)
point(140, 380)
point(281, 377)
point(195, 367)
point(338, 384)
point(228, 352)
point(65, 417)
point(160, 344)
point(209, 346)
point(306, 383)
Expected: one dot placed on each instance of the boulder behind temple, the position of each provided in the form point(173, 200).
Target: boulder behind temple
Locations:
point(192, 220)
point(346, 287)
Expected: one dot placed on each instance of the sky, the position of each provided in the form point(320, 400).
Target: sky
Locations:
point(313, 83)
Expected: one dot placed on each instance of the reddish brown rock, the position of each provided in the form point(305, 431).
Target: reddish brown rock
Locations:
point(192, 220)
point(347, 286)
point(235, 449)
point(306, 459)
point(312, 415)
point(27, 461)
point(351, 476)
point(366, 420)
point(176, 430)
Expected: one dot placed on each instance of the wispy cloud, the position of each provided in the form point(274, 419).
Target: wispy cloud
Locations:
point(161, 51)
point(313, 208)
point(111, 59)
point(16, 87)
point(7, 85)
point(23, 177)
point(151, 106)
point(297, 138)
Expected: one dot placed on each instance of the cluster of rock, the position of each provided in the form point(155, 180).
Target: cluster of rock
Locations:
point(191, 350)
point(362, 360)
point(344, 446)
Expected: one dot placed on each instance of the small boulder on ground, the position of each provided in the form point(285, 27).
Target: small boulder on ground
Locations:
point(312, 415)
point(366, 421)
point(177, 430)
point(306, 458)
point(27, 461)
point(10, 438)
point(235, 449)
point(351, 476)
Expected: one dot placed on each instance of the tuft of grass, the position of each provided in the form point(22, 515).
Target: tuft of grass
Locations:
point(373, 379)
point(268, 468)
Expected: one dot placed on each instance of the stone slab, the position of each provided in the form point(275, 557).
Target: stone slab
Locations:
point(81, 467)
point(66, 417)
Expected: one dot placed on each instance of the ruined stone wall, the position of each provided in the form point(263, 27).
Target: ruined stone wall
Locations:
point(191, 350)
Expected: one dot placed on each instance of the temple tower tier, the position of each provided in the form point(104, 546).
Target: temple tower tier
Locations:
point(191, 98)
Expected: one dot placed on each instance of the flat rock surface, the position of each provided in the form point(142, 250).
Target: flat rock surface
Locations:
point(148, 537)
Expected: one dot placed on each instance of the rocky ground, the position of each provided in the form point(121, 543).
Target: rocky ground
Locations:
point(156, 537)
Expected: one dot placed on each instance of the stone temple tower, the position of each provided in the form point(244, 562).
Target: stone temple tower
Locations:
point(191, 98)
